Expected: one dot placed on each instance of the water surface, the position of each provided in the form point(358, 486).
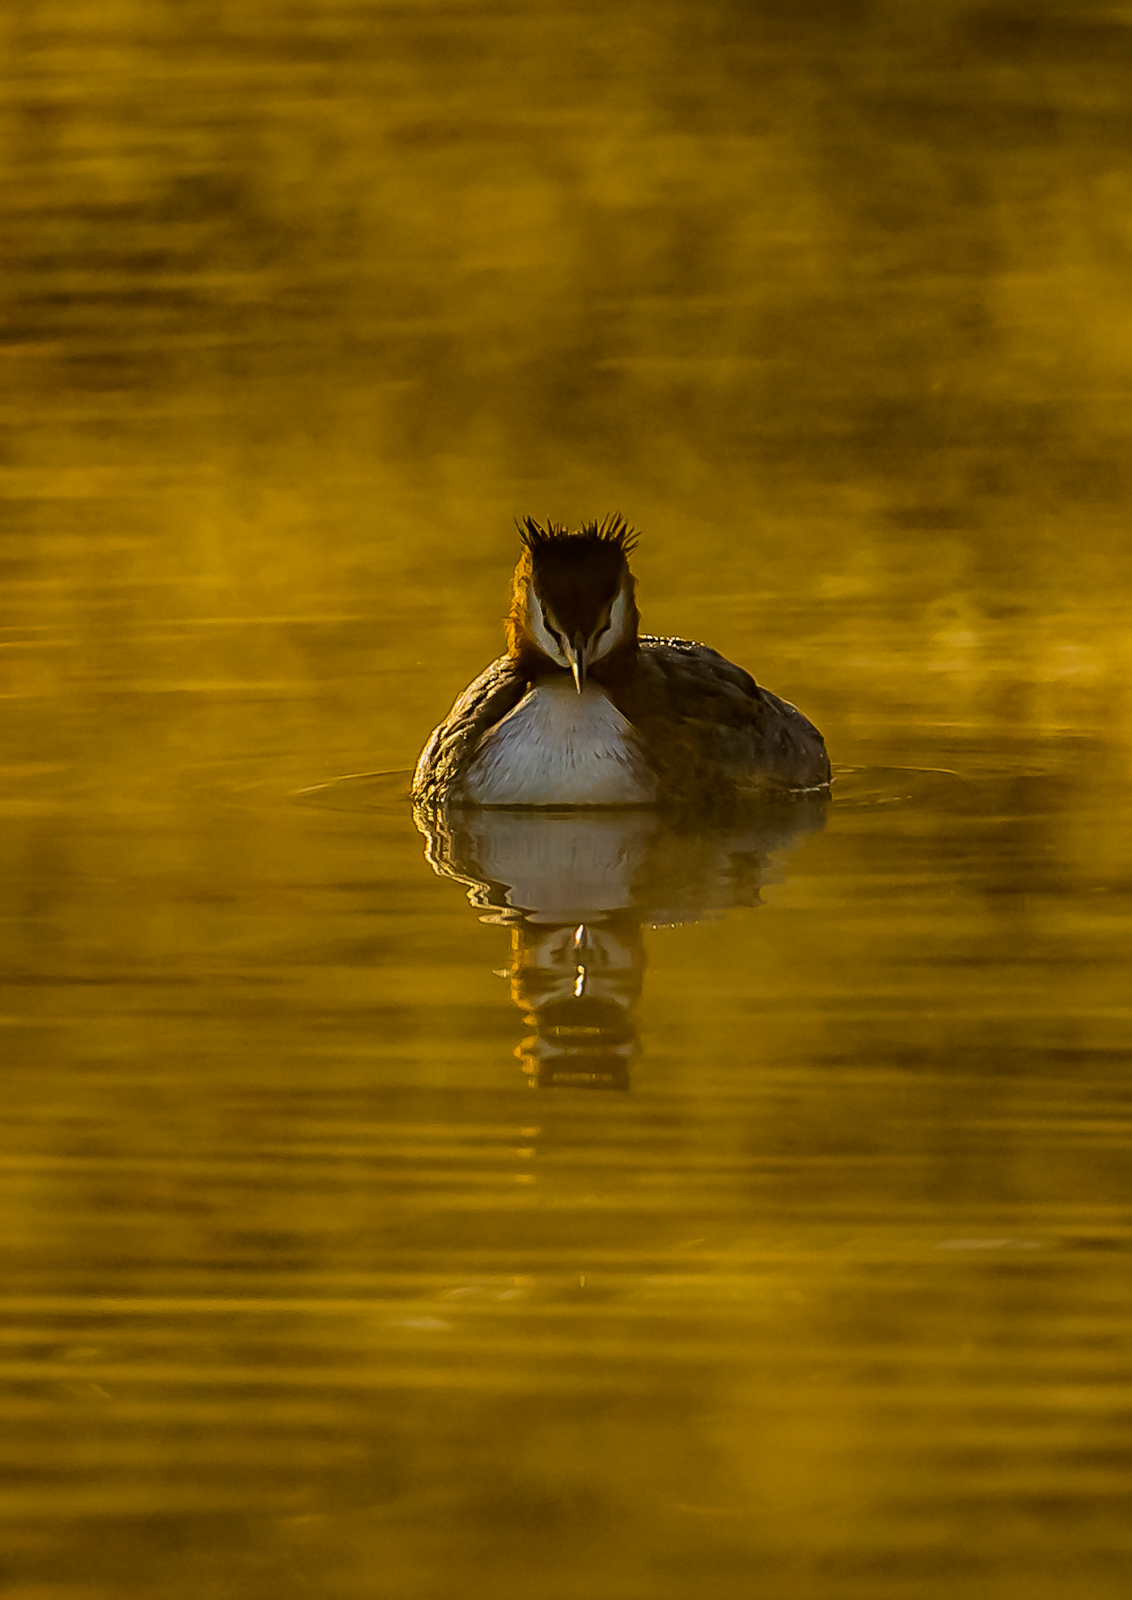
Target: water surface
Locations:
point(590, 1208)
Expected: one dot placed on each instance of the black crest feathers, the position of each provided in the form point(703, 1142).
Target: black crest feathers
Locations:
point(612, 530)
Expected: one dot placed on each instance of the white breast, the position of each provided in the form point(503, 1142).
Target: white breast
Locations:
point(560, 748)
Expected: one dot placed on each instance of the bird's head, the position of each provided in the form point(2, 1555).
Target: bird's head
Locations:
point(573, 600)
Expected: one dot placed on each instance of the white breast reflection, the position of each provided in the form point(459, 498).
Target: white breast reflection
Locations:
point(577, 890)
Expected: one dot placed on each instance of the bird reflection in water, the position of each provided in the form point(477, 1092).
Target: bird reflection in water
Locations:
point(577, 889)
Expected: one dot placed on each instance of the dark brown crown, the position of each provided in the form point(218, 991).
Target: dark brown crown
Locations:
point(613, 530)
point(577, 574)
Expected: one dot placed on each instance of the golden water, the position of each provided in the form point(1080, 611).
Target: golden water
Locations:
point(335, 1261)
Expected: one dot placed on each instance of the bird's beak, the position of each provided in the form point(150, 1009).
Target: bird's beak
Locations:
point(575, 652)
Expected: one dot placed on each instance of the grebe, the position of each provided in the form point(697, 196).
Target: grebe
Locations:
point(585, 711)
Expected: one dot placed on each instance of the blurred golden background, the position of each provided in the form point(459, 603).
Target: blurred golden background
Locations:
point(303, 304)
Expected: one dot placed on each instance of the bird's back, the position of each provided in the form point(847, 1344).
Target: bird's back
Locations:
point(710, 730)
